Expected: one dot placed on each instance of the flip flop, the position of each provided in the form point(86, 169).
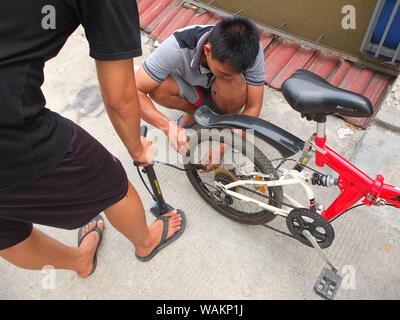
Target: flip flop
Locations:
point(184, 127)
point(164, 241)
point(95, 229)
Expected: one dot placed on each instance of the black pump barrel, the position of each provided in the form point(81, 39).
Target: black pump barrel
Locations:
point(155, 186)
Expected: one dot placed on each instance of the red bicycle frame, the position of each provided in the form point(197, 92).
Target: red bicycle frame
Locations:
point(353, 183)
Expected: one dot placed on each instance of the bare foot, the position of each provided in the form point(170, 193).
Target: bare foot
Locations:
point(156, 230)
point(186, 120)
point(88, 248)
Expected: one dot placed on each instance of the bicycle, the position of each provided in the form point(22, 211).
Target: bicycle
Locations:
point(262, 184)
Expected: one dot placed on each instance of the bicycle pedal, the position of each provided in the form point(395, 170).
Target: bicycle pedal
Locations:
point(328, 284)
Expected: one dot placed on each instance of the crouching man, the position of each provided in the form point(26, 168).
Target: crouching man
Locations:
point(220, 66)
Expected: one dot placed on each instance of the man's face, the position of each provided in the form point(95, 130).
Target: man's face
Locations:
point(220, 70)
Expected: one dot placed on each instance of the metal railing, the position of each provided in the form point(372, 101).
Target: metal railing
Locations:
point(379, 49)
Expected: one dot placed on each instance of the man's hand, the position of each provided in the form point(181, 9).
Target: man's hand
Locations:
point(178, 138)
point(212, 160)
point(146, 155)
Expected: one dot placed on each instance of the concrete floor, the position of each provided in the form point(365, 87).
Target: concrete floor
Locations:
point(217, 258)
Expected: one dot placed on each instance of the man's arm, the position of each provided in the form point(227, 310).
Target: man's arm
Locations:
point(145, 84)
point(118, 88)
point(255, 78)
point(177, 136)
point(254, 103)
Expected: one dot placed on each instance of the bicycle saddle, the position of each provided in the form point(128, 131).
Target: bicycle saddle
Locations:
point(312, 95)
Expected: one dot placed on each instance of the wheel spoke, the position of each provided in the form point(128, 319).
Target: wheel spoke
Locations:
point(229, 171)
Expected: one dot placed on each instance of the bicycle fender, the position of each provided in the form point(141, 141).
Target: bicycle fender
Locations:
point(286, 143)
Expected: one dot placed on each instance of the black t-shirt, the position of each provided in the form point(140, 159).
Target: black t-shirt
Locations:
point(33, 140)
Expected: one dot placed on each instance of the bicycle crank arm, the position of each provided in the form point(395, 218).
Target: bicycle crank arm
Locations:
point(329, 281)
point(314, 243)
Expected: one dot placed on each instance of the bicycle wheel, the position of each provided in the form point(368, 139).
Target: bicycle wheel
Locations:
point(244, 159)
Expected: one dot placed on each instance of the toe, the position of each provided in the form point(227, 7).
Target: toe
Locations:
point(88, 228)
point(175, 224)
point(91, 225)
point(171, 213)
point(100, 224)
point(85, 230)
point(177, 220)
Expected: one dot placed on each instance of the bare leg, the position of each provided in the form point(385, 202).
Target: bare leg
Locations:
point(230, 95)
point(167, 95)
point(127, 216)
point(39, 250)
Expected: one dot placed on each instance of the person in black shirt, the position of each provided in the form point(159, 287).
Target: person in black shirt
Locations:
point(52, 172)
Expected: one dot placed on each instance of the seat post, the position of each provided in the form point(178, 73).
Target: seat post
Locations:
point(321, 129)
point(320, 140)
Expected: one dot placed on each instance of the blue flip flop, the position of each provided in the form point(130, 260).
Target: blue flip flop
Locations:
point(184, 127)
point(95, 229)
point(164, 241)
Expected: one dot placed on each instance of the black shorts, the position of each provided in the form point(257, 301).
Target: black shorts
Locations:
point(88, 180)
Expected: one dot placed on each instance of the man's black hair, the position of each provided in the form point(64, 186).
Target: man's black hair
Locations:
point(235, 40)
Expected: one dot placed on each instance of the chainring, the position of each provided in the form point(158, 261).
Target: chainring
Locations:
point(301, 219)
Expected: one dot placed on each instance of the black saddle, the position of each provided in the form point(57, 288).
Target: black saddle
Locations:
point(315, 97)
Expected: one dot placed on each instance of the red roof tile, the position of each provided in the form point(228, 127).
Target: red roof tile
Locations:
point(200, 18)
point(170, 15)
point(144, 4)
point(181, 19)
point(296, 62)
point(322, 64)
point(154, 12)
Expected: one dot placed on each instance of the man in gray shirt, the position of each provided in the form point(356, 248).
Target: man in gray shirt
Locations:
point(220, 66)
